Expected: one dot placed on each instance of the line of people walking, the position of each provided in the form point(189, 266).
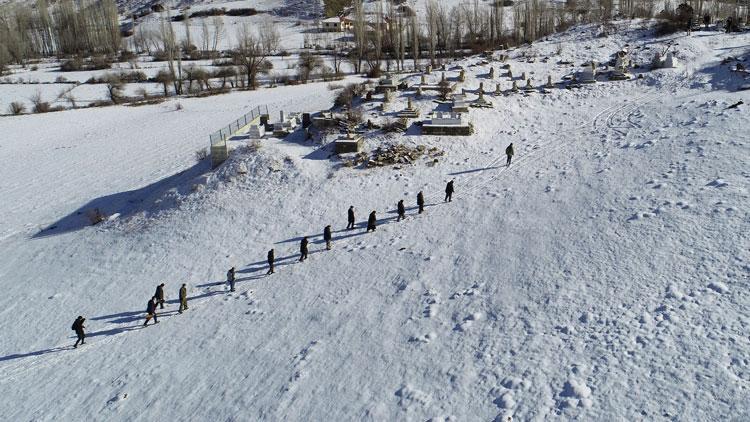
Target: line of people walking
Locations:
point(157, 300)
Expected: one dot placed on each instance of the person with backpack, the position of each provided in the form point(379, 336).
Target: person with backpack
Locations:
point(327, 237)
point(420, 201)
point(230, 279)
point(448, 192)
point(401, 210)
point(509, 153)
point(271, 259)
point(78, 328)
point(151, 311)
point(183, 298)
point(303, 249)
point(160, 295)
point(350, 218)
point(372, 222)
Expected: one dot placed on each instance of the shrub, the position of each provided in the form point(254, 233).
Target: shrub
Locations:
point(16, 107)
point(178, 107)
point(208, 12)
point(95, 216)
point(72, 65)
point(61, 79)
point(99, 63)
point(39, 105)
point(246, 11)
point(126, 56)
point(201, 154)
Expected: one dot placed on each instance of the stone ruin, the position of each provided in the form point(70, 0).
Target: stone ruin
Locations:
point(395, 155)
point(491, 75)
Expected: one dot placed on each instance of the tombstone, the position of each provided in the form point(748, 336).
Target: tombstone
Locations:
point(498, 91)
point(422, 80)
point(492, 73)
point(510, 73)
point(528, 86)
point(386, 97)
point(549, 82)
point(306, 120)
point(481, 87)
point(462, 76)
point(657, 61)
point(515, 87)
point(588, 75)
point(523, 76)
point(409, 112)
point(670, 61)
point(419, 92)
point(442, 78)
point(481, 101)
point(368, 95)
point(428, 70)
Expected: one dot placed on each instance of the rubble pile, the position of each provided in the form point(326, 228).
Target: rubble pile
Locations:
point(395, 155)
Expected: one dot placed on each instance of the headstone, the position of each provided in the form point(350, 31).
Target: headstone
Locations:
point(481, 86)
point(492, 72)
point(670, 60)
point(498, 91)
point(549, 82)
point(462, 76)
point(428, 70)
point(422, 80)
point(442, 78)
point(515, 87)
point(386, 96)
point(523, 76)
point(510, 73)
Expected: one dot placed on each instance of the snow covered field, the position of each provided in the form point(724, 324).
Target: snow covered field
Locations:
point(602, 276)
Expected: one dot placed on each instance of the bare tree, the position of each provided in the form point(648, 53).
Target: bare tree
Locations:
point(254, 48)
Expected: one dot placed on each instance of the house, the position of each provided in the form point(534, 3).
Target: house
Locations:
point(331, 24)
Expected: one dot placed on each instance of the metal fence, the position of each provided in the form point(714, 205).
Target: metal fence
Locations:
point(222, 134)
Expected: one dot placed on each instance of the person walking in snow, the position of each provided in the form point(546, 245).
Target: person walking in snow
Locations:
point(420, 201)
point(78, 328)
point(372, 222)
point(183, 298)
point(350, 218)
point(230, 279)
point(271, 258)
point(303, 249)
point(151, 311)
point(327, 237)
point(509, 152)
point(160, 295)
point(448, 191)
point(401, 210)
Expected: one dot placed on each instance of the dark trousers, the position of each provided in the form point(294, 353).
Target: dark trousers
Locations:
point(148, 318)
point(448, 196)
point(400, 216)
point(350, 225)
point(231, 285)
point(421, 208)
point(161, 303)
point(81, 337)
point(270, 267)
point(510, 157)
point(328, 245)
point(183, 304)
point(303, 256)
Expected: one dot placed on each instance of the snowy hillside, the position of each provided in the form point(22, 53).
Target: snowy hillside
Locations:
point(603, 275)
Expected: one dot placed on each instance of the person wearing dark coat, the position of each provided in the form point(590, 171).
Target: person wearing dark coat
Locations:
point(151, 311)
point(183, 298)
point(303, 249)
point(372, 222)
point(509, 153)
point(160, 295)
point(401, 210)
point(350, 218)
point(78, 328)
point(271, 258)
point(327, 237)
point(420, 201)
point(448, 191)
point(230, 279)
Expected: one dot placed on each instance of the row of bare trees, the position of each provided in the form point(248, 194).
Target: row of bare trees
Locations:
point(392, 37)
point(67, 28)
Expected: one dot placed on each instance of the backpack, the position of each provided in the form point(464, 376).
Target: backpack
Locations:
point(73, 327)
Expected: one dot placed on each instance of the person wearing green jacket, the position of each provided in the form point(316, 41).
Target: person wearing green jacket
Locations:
point(183, 298)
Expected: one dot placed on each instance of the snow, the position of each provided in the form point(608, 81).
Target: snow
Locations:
point(534, 294)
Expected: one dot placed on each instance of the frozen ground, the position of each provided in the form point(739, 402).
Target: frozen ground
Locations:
point(602, 276)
